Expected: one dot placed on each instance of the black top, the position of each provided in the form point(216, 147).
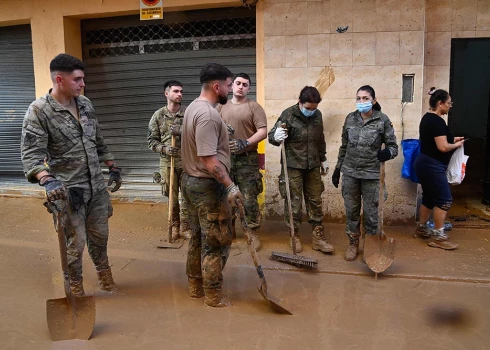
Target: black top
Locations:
point(432, 126)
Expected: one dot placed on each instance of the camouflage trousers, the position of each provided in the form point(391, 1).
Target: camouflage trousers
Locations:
point(354, 191)
point(210, 218)
point(246, 175)
point(88, 225)
point(179, 207)
point(305, 183)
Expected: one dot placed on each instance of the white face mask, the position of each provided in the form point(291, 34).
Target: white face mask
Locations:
point(306, 112)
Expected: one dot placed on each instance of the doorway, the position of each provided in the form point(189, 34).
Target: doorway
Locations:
point(469, 117)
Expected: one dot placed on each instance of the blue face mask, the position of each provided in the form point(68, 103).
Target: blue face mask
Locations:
point(364, 107)
point(307, 113)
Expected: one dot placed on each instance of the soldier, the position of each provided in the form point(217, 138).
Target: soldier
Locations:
point(305, 146)
point(207, 187)
point(360, 154)
point(164, 123)
point(249, 121)
point(61, 149)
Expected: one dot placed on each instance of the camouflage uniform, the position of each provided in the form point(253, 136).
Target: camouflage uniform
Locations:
point(305, 150)
point(246, 175)
point(210, 219)
point(53, 140)
point(159, 137)
point(359, 165)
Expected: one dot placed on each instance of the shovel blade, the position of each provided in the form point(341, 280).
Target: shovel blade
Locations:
point(273, 303)
point(379, 253)
point(174, 245)
point(66, 321)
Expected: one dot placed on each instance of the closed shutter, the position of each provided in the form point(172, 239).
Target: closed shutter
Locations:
point(127, 63)
point(16, 94)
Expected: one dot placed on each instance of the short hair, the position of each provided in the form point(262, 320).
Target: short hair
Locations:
point(170, 83)
point(214, 71)
point(436, 96)
point(65, 63)
point(244, 76)
point(309, 94)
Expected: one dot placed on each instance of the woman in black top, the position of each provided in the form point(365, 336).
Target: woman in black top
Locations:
point(437, 144)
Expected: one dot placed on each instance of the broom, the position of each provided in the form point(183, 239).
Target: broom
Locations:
point(292, 259)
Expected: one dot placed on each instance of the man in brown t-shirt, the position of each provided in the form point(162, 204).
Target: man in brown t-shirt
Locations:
point(207, 187)
point(249, 121)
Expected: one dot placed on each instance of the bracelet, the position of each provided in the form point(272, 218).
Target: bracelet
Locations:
point(42, 177)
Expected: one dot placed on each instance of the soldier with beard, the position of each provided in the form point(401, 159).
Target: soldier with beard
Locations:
point(164, 123)
point(207, 187)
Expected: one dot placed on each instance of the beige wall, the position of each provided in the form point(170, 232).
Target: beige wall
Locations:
point(385, 39)
point(55, 25)
point(447, 19)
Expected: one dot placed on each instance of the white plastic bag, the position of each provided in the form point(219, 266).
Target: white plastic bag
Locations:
point(457, 167)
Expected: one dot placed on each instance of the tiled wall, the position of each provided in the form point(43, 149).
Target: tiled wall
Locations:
point(447, 19)
point(385, 39)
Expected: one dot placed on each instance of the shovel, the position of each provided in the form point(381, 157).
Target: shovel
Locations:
point(379, 250)
point(273, 302)
point(171, 244)
point(71, 317)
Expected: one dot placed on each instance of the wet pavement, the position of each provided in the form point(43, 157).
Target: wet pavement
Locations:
point(428, 298)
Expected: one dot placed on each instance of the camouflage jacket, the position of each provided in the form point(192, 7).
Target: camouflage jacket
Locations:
point(305, 145)
point(159, 136)
point(361, 143)
point(53, 140)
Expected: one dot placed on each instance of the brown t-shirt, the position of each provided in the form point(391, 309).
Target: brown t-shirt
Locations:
point(246, 118)
point(203, 134)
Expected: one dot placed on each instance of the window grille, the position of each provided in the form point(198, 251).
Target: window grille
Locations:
point(170, 37)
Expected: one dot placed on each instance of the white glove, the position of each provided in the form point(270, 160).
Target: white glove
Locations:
point(280, 134)
point(324, 168)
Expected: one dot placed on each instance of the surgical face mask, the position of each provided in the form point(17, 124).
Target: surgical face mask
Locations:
point(306, 112)
point(364, 107)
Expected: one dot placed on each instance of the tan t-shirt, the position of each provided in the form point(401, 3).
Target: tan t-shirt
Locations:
point(203, 134)
point(246, 118)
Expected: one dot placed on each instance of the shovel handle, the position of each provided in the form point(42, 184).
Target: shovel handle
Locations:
point(170, 193)
point(382, 175)
point(251, 248)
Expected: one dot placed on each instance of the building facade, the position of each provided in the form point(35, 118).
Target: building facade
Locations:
point(401, 48)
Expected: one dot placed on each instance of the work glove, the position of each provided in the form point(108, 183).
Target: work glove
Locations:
point(324, 168)
point(280, 134)
point(384, 155)
point(238, 146)
point(171, 151)
point(234, 194)
point(115, 176)
point(175, 129)
point(54, 189)
point(336, 177)
point(231, 130)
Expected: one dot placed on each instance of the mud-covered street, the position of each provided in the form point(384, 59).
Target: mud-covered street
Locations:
point(428, 298)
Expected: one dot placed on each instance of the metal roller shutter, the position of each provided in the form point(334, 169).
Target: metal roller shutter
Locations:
point(16, 94)
point(127, 63)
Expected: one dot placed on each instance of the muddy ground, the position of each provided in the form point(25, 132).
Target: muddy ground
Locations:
point(428, 298)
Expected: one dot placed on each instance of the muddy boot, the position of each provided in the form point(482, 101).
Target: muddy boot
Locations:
point(106, 283)
point(422, 231)
point(76, 287)
point(195, 287)
point(299, 247)
point(439, 239)
point(175, 231)
point(254, 233)
point(319, 242)
point(185, 230)
point(353, 249)
point(214, 298)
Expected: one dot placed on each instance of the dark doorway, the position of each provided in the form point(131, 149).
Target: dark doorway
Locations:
point(469, 116)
